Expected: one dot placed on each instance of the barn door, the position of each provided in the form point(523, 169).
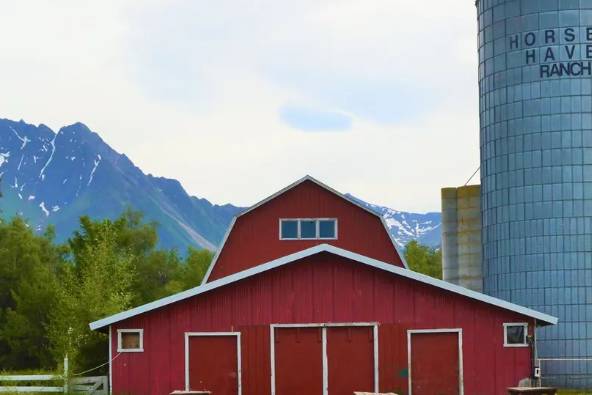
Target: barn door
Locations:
point(435, 363)
point(319, 359)
point(298, 361)
point(213, 363)
point(350, 358)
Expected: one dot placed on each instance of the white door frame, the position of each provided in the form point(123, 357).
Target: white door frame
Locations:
point(324, 326)
point(214, 334)
point(439, 330)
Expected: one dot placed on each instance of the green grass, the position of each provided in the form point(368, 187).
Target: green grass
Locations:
point(574, 392)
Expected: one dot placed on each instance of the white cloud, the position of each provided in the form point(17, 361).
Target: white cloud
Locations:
point(193, 89)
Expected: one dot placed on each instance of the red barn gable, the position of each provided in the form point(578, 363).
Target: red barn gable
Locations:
point(254, 235)
point(321, 320)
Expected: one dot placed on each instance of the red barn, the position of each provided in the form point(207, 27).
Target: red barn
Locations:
point(309, 295)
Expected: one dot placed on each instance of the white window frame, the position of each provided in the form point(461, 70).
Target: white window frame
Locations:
point(523, 324)
point(317, 232)
point(139, 331)
point(214, 334)
point(325, 360)
point(459, 332)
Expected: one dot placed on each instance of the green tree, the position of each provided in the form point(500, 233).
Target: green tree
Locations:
point(29, 265)
point(195, 268)
point(159, 274)
point(114, 265)
point(49, 293)
point(424, 259)
point(98, 283)
point(128, 231)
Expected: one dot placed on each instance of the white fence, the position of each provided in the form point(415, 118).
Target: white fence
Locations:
point(29, 383)
point(32, 388)
point(97, 385)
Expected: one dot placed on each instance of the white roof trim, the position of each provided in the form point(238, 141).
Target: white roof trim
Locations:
point(312, 251)
point(280, 192)
point(215, 259)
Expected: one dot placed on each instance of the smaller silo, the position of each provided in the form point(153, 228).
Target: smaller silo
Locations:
point(461, 237)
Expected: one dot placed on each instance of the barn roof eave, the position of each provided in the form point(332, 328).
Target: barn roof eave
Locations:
point(542, 319)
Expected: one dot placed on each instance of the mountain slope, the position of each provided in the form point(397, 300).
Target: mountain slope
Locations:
point(54, 178)
point(57, 177)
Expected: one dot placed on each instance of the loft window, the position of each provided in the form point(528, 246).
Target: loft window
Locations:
point(289, 229)
point(308, 229)
point(130, 340)
point(327, 228)
point(515, 334)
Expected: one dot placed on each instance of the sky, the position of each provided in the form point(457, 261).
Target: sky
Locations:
point(237, 99)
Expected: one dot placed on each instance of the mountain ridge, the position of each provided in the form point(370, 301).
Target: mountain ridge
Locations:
point(55, 177)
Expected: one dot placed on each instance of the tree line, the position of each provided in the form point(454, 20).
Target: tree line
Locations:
point(50, 292)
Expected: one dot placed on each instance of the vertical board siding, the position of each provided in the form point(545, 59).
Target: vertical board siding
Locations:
point(255, 236)
point(318, 289)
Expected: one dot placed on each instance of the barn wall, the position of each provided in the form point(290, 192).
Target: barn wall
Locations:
point(255, 237)
point(322, 288)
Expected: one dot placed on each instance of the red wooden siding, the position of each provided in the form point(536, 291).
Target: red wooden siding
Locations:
point(322, 288)
point(435, 365)
point(298, 361)
point(213, 364)
point(350, 359)
point(255, 236)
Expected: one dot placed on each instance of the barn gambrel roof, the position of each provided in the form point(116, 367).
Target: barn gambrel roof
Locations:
point(286, 189)
point(542, 318)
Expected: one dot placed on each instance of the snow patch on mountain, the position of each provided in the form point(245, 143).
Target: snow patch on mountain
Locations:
point(24, 140)
point(405, 227)
point(4, 157)
point(92, 173)
point(53, 148)
point(45, 210)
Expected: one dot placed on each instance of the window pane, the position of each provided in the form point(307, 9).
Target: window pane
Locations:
point(515, 334)
point(327, 229)
point(289, 229)
point(308, 229)
point(130, 340)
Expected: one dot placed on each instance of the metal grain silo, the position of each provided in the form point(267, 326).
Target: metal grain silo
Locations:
point(535, 84)
point(461, 237)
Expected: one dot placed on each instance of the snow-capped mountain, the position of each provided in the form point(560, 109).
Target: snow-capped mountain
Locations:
point(404, 226)
point(54, 178)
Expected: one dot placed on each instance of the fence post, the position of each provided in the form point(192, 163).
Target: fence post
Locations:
point(66, 378)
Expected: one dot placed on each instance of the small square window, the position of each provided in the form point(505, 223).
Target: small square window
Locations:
point(308, 229)
point(130, 340)
point(289, 229)
point(515, 334)
point(327, 229)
